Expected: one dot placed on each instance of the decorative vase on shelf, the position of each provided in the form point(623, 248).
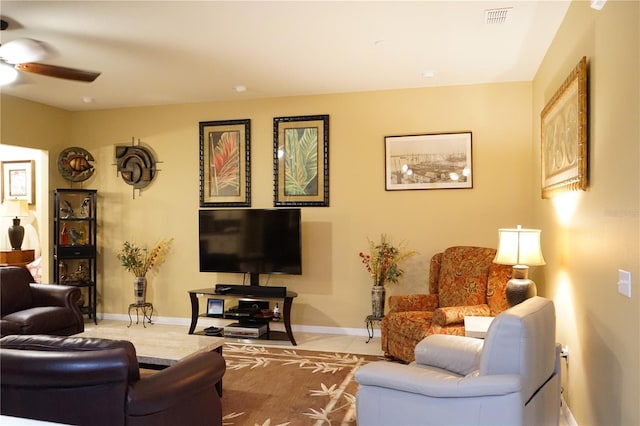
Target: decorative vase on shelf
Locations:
point(377, 300)
point(140, 290)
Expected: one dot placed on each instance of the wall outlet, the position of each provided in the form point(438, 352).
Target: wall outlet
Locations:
point(624, 282)
point(564, 353)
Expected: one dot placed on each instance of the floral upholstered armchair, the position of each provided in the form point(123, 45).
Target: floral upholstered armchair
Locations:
point(462, 281)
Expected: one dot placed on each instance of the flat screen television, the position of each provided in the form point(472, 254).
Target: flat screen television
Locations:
point(250, 241)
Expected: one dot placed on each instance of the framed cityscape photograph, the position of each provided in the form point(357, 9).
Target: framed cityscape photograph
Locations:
point(301, 161)
point(225, 163)
point(564, 130)
point(429, 161)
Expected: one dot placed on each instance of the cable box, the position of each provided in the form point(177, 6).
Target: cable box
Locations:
point(245, 330)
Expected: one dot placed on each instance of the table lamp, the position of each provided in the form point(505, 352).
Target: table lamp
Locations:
point(521, 248)
point(16, 208)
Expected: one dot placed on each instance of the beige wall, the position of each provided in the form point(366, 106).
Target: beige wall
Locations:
point(583, 249)
point(31, 125)
point(590, 235)
point(334, 289)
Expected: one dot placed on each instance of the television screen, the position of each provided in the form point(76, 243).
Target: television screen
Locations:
point(254, 241)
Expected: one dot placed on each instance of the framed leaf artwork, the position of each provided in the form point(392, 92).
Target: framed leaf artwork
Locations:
point(225, 167)
point(301, 161)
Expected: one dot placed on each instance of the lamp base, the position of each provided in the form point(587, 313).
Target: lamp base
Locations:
point(520, 289)
point(16, 234)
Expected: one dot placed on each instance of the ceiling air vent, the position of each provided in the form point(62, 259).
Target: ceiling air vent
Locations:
point(497, 16)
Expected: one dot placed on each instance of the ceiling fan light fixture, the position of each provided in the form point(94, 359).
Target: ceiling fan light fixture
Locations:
point(22, 50)
point(8, 74)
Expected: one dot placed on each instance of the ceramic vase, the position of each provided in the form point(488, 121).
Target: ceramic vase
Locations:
point(377, 301)
point(16, 234)
point(140, 290)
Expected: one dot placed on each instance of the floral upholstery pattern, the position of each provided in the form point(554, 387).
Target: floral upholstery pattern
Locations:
point(455, 314)
point(463, 276)
point(413, 302)
point(499, 275)
point(402, 344)
point(462, 281)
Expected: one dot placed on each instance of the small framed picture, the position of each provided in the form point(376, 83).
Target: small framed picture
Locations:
point(430, 161)
point(18, 181)
point(215, 308)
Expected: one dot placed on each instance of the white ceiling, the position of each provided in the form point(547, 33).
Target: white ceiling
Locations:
point(168, 52)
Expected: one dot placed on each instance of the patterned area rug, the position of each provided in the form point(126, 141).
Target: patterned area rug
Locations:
point(272, 386)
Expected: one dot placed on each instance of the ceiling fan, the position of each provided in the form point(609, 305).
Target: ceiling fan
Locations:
point(22, 54)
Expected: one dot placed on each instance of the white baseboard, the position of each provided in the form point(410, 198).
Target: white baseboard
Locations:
point(566, 413)
point(279, 326)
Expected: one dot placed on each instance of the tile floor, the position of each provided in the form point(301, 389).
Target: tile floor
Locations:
point(308, 341)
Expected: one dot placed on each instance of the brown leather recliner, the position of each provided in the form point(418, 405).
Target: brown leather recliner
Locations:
point(30, 308)
point(91, 381)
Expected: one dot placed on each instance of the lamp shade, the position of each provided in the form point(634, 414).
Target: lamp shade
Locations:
point(519, 247)
point(15, 208)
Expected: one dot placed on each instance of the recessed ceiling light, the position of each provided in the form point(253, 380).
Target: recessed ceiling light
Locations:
point(598, 4)
point(87, 99)
point(429, 74)
point(240, 88)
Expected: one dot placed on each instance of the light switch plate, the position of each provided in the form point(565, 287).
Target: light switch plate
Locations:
point(624, 282)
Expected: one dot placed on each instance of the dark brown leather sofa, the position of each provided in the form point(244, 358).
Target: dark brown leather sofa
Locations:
point(90, 381)
point(30, 308)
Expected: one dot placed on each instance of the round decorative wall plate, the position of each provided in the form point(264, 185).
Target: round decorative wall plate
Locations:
point(74, 164)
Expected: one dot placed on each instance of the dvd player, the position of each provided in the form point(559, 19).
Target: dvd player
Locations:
point(251, 290)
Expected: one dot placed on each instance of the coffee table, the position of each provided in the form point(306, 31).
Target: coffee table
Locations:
point(157, 347)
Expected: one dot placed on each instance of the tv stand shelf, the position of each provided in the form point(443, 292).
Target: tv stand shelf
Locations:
point(249, 293)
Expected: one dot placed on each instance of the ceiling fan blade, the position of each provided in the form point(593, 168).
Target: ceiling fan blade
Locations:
point(58, 72)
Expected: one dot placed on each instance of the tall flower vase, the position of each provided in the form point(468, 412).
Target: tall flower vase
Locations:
point(377, 300)
point(140, 290)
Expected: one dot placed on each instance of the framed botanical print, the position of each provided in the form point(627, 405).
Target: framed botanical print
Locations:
point(301, 161)
point(225, 163)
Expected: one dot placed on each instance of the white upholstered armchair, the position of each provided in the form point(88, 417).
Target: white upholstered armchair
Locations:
point(510, 378)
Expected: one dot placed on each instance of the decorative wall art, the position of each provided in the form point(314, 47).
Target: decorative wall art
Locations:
point(136, 164)
point(225, 163)
point(301, 161)
point(564, 136)
point(430, 161)
point(18, 182)
point(74, 164)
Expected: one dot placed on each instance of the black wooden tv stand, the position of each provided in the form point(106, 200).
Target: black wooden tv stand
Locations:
point(246, 292)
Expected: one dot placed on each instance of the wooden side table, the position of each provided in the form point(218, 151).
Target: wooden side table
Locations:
point(17, 257)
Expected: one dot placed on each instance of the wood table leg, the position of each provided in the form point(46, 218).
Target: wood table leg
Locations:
point(195, 308)
point(286, 316)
